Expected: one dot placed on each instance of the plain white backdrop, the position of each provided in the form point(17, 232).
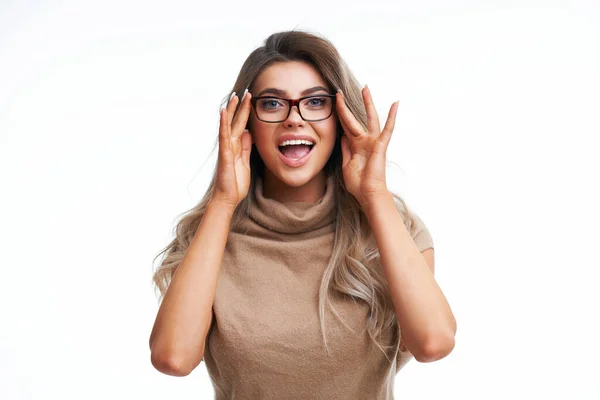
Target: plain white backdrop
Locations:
point(109, 113)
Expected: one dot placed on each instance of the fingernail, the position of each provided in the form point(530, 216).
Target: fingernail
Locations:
point(231, 97)
point(244, 96)
point(366, 86)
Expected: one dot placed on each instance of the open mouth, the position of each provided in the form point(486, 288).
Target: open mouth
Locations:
point(295, 155)
point(295, 151)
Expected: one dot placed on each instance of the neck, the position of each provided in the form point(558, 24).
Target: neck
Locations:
point(310, 192)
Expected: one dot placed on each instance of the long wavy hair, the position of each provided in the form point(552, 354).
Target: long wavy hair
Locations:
point(354, 270)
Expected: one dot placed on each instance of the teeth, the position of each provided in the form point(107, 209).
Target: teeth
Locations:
point(292, 142)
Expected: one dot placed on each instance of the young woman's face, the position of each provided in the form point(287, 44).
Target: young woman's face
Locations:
point(292, 80)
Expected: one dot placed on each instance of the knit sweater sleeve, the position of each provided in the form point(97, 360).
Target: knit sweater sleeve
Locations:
point(420, 235)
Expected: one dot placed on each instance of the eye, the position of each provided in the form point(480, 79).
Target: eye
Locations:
point(269, 104)
point(316, 102)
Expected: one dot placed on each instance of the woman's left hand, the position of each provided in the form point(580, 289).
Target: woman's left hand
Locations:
point(363, 152)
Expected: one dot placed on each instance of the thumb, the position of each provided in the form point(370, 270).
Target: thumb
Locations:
point(346, 153)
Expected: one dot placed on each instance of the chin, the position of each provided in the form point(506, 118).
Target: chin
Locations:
point(296, 178)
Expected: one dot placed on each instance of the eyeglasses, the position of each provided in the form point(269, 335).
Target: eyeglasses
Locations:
point(277, 109)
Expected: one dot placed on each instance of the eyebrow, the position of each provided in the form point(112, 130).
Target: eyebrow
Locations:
point(282, 93)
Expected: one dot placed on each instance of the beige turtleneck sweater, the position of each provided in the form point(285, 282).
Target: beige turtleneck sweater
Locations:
point(265, 341)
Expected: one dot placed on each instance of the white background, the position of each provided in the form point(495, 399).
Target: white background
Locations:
point(109, 113)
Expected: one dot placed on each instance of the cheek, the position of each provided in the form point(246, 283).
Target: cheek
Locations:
point(334, 125)
point(328, 130)
point(262, 132)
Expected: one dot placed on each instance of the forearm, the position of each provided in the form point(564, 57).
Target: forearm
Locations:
point(424, 315)
point(185, 314)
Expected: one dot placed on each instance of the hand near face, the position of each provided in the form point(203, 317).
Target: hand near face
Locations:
point(363, 151)
point(235, 144)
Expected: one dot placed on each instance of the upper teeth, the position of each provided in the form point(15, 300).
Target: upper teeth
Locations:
point(292, 142)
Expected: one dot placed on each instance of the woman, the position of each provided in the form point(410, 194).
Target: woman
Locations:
point(299, 275)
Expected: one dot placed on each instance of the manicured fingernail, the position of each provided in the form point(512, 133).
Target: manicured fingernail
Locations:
point(231, 97)
point(244, 96)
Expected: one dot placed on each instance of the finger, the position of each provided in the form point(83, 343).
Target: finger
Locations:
point(241, 117)
point(233, 102)
point(372, 118)
point(386, 134)
point(344, 127)
point(347, 119)
point(246, 147)
point(224, 141)
point(346, 153)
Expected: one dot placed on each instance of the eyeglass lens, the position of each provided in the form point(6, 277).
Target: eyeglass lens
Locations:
point(272, 109)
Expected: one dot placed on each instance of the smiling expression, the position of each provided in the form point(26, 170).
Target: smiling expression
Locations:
point(292, 79)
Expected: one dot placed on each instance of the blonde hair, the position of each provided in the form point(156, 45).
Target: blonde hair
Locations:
point(354, 269)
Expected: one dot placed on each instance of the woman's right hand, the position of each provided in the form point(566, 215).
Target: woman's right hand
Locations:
point(235, 143)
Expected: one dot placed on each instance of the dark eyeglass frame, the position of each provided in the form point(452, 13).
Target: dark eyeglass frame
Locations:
point(292, 103)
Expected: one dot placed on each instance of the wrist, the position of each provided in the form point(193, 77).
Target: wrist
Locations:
point(223, 209)
point(376, 201)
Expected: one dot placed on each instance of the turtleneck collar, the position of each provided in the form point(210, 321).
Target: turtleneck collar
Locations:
point(293, 217)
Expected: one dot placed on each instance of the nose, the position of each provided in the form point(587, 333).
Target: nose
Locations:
point(294, 119)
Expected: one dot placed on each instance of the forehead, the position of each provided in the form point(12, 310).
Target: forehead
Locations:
point(291, 76)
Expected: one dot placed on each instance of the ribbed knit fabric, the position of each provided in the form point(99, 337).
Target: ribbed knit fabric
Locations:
point(265, 341)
